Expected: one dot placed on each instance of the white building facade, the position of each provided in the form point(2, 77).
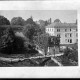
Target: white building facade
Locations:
point(67, 32)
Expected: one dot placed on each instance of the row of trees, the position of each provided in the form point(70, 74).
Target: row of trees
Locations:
point(14, 21)
point(19, 21)
point(32, 31)
point(69, 55)
point(10, 43)
point(4, 21)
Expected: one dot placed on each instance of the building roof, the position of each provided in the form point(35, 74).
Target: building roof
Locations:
point(62, 25)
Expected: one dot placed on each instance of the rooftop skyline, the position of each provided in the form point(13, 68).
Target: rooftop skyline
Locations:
point(68, 16)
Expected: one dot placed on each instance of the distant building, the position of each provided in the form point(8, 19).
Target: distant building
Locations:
point(66, 31)
point(44, 22)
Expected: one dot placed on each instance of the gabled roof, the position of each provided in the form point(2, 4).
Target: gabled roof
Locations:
point(62, 25)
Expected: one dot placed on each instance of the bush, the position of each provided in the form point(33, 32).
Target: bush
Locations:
point(74, 55)
point(17, 21)
point(70, 55)
point(4, 21)
point(10, 43)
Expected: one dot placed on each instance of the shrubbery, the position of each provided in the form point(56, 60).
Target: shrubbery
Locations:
point(4, 21)
point(69, 55)
point(10, 44)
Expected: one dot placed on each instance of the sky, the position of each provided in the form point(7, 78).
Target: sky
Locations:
point(68, 16)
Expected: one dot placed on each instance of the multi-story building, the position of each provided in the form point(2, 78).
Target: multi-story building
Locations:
point(67, 32)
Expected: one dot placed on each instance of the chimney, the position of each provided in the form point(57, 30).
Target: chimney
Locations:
point(50, 21)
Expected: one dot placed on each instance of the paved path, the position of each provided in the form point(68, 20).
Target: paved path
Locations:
point(43, 56)
point(21, 59)
point(56, 61)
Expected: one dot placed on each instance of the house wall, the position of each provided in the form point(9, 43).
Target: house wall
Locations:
point(67, 35)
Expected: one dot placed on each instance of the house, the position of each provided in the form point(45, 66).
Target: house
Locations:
point(67, 32)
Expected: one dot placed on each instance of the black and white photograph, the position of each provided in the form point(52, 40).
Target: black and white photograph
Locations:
point(39, 39)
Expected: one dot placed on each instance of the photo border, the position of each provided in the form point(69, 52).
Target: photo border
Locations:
point(42, 72)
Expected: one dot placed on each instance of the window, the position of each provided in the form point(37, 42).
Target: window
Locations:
point(70, 29)
point(70, 35)
point(70, 40)
point(76, 29)
point(76, 40)
point(58, 35)
point(65, 35)
point(76, 34)
point(49, 29)
point(58, 30)
point(66, 40)
point(65, 30)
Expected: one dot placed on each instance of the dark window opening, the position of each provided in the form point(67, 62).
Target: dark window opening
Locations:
point(58, 30)
point(65, 30)
point(70, 29)
point(70, 35)
point(70, 40)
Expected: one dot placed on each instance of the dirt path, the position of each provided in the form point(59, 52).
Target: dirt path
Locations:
point(56, 61)
point(21, 59)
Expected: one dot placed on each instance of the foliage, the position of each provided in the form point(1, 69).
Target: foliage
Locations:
point(17, 21)
point(14, 27)
point(57, 20)
point(4, 21)
point(74, 55)
point(10, 43)
point(65, 61)
point(54, 41)
point(43, 23)
point(42, 41)
point(31, 29)
point(30, 48)
point(71, 54)
point(30, 21)
point(67, 51)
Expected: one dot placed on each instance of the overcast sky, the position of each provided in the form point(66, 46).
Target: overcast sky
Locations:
point(68, 16)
